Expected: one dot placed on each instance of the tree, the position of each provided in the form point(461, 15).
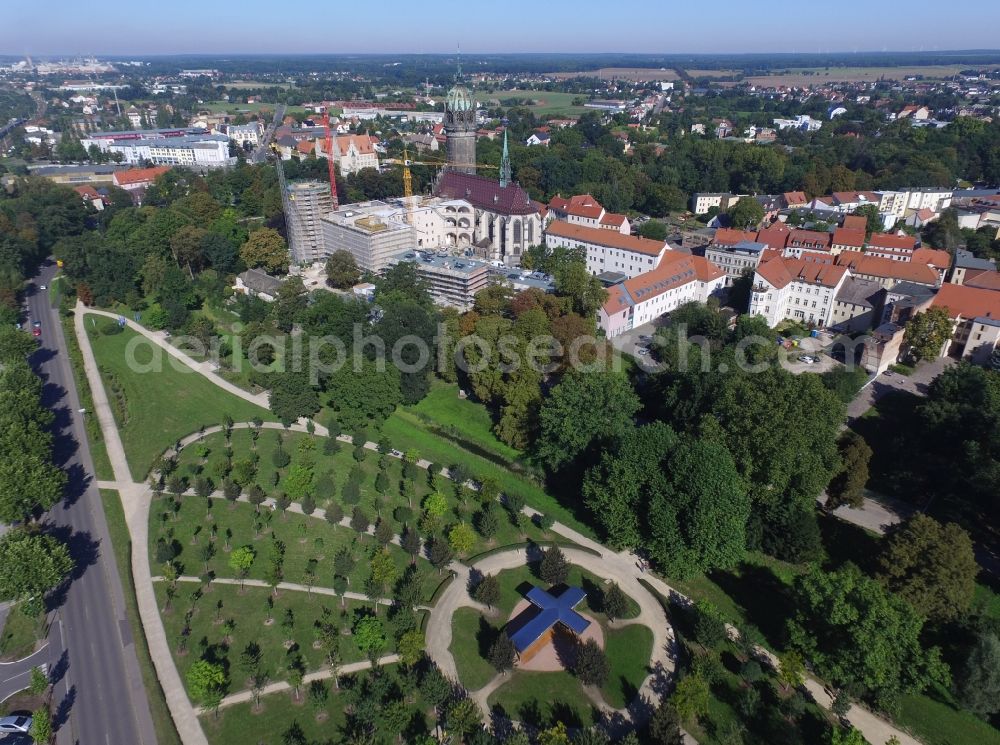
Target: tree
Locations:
point(487, 591)
point(487, 520)
point(654, 230)
point(858, 635)
point(591, 665)
point(461, 538)
point(873, 219)
point(411, 647)
point(296, 671)
point(746, 213)
point(690, 698)
point(369, 635)
point(410, 542)
point(848, 485)
point(265, 248)
point(440, 553)
point(240, 561)
point(978, 685)
point(569, 422)
point(206, 682)
point(383, 568)
point(292, 396)
point(930, 565)
point(698, 514)
point(502, 653)
point(615, 602)
point(927, 332)
point(665, 725)
point(848, 736)
point(39, 682)
point(791, 669)
point(463, 717)
point(32, 564)
point(341, 270)
point(41, 725)
point(554, 568)
point(585, 291)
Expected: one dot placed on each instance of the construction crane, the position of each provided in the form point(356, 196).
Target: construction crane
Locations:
point(329, 158)
point(408, 176)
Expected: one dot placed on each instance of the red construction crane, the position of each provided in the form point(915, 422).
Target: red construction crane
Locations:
point(329, 158)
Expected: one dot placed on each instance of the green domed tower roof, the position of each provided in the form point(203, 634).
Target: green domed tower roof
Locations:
point(460, 99)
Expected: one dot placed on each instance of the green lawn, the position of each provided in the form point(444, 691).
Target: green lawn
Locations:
point(543, 698)
point(407, 432)
point(122, 546)
point(159, 406)
point(248, 608)
point(936, 721)
point(628, 649)
point(98, 450)
point(338, 466)
point(20, 633)
point(462, 419)
point(545, 102)
point(242, 725)
point(471, 635)
point(304, 537)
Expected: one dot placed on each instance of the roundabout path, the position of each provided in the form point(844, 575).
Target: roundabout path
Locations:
point(621, 567)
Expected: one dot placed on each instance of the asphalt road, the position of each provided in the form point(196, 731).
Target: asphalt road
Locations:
point(98, 696)
point(260, 154)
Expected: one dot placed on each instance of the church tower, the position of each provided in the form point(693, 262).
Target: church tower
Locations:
point(460, 129)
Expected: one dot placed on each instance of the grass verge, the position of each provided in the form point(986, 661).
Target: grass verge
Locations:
point(20, 634)
point(98, 449)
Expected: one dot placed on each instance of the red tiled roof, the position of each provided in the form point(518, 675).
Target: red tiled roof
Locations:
point(890, 240)
point(607, 238)
point(362, 143)
point(967, 302)
point(849, 237)
point(781, 272)
point(775, 236)
point(730, 237)
point(581, 205)
point(855, 222)
point(934, 257)
point(674, 270)
point(613, 218)
point(485, 193)
point(794, 198)
point(876, 266)
point(87, 191)
point(139, 175)
point(306, 147)
point(984, 280)
point(809, 238)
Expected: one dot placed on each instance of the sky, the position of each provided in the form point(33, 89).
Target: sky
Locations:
point(145, 27)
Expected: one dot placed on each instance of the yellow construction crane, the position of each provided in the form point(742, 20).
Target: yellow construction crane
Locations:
point(408, 176)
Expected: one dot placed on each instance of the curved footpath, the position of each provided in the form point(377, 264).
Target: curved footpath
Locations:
point(622, 567)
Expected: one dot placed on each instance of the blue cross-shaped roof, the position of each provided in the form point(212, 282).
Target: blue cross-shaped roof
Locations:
point(551, 610)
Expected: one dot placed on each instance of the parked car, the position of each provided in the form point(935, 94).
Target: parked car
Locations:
point(808, 359)
point(19, 723)
point(36, 331)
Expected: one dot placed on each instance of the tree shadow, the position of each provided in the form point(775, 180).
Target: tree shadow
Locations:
point(58, 671)
point(62, 711)
point(83, 549)
point(765, 599)
point(845, 543)
point(485, 636)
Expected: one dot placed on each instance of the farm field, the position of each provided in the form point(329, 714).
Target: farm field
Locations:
point(623, 73)
point(805, 76)
point(241, 107)
point(546, 102)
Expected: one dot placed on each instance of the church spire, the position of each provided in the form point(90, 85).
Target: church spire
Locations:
point(458, 62)
point(505, 162)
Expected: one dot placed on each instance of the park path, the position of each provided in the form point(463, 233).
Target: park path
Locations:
point(622, 567)
point(326, 673)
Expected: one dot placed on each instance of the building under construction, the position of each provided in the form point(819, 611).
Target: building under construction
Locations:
point(306, 202)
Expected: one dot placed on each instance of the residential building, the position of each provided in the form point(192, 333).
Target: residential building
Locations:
point(251, 133)
point(375, 235)
point(809, 241)
point(903, 300)
point(136, 180)
point(538, 138)
point(583, 209)
point(256, 283)
point(891, 246)
point(796, 289)
point(736, 259)
point(678, 279)
point(888, 272)
point(306, 203)
point(857, 305)
point(608, 250)
point(177, 147)
point(847, 239)
point(702, 202)
point(91, 196)
point(976, 315)
point(967, 265)
point(802, 122)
